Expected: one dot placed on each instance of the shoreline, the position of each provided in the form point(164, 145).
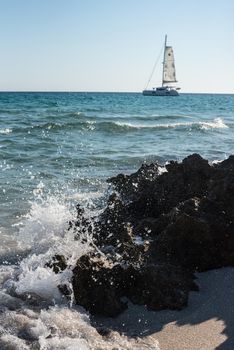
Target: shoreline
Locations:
point(206, 323)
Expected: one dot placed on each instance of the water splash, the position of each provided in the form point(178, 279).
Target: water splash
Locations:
point(46, 223)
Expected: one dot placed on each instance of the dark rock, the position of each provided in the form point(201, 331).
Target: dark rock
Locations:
point(130, 185)
point(104, 332)
point(98, 286)
point(198, 236)
point(58, 263)
point(187, 242)
point(65, 290)
point(113, 227)
point(227, 164)
point(181, 182)
point(161, 286)
point(81, 226)
point(184, 221)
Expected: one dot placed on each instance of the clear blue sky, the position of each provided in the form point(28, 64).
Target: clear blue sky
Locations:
point(112, 45)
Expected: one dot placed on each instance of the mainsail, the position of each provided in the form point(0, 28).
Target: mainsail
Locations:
point(169, 74)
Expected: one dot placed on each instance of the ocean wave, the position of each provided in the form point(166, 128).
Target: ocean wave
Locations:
point(75, 114)
point(217, 123)
point(61, 328)
point(110, 126)
point(5, 131)
point(29, 292)
point(57, 126)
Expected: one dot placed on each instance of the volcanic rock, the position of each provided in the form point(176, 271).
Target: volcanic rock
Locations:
point(158, 228)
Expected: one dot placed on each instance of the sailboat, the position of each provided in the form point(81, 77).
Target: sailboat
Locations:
point(168, 75)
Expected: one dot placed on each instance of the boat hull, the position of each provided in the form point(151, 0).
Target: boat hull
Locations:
point(160, 92)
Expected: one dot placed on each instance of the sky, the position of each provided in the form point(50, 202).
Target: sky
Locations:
point(112, 45)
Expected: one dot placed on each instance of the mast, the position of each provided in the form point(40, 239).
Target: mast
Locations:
point(165, 44)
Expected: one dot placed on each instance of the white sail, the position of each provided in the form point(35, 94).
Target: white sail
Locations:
point(169, 74)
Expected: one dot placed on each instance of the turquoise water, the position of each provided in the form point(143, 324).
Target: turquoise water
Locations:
point(57, 149)
point(70, 142)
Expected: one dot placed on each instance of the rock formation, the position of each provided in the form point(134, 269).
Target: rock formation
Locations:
point(157, 230)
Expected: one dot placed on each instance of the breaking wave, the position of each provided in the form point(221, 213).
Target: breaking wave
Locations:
point(101, 125)
point(217, 123)
point(33, 312)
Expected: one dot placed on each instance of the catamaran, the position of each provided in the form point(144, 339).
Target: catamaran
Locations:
point(168, 76)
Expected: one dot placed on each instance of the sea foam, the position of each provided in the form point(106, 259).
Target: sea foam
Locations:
point(216, 123)
point(5, 131)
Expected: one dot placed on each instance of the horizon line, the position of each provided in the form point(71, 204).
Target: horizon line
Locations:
point(114, 92)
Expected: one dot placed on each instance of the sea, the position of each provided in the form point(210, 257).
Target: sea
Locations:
point(58, 149)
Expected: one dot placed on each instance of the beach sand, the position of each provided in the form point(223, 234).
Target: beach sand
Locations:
point(206, 324)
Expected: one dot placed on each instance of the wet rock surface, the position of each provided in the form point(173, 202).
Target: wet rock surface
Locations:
point(157, 229)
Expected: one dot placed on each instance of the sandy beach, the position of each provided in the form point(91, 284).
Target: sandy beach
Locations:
point(206, 324)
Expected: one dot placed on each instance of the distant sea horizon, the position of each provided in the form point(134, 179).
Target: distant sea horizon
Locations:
point(107, 92)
